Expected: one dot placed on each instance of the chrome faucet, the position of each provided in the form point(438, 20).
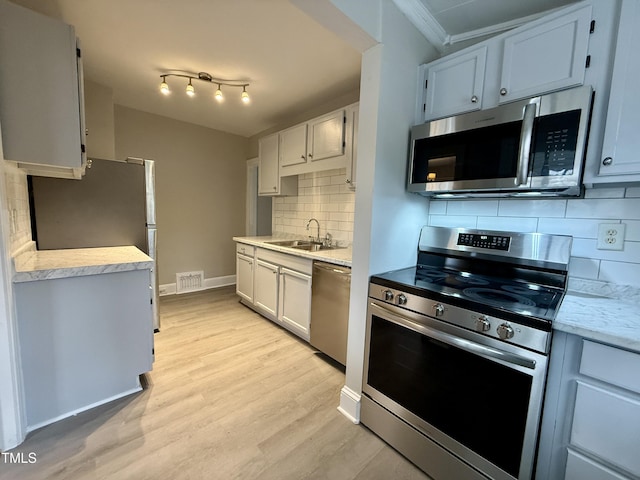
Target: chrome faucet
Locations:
point(318, 224)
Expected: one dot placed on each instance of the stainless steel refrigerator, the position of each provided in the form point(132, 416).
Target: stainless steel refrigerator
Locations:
point(112, 205)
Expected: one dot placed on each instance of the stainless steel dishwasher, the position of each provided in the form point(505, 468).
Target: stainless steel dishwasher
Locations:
point(330, 289)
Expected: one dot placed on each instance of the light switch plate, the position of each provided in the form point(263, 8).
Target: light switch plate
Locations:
point(611, 236)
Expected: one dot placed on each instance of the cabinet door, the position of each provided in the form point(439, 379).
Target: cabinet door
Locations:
point(268, 169)
point(295, 302)
point(352, 145)
point(455, 84)
point(605, 424)
point(244, 277)
point(326, 136)
point(266, 288)
point(293, 145)
point(580, 467)
point(621, 142)
point(40, 97)
point(548, 57)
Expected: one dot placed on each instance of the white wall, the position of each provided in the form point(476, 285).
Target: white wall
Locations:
point(576, 217)
point(323, 196)
point(387, 218)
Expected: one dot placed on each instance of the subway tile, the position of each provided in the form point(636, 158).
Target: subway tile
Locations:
point(587, 248)
point(473, 207)
point(437, 207)
point(584, 268)
point(338, 179)
point(582, 228)
point(633, 192)
point(452, 221)
point(623, 208)
point(620, 273)
point(509, 224)
point(531, 208)
point(632, 232)
point(304, 182)
point(604, 193)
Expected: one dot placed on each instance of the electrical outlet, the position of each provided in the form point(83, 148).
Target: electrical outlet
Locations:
point(611, 236)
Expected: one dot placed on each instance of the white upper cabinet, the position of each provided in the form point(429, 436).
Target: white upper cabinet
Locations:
point(293, 145)
point(325, 136)
point(41, 93)
point(454, 84)
point(269, 181)
point(313, 146)
point(542, 56)
point(621, 142)
point(547, 57)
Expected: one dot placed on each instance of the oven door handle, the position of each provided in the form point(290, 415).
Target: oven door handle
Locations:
point(461, 343)
point(526, 137)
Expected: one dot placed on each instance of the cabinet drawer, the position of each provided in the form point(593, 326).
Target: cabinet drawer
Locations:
point(245, 249)
point(608, 426)
point(303, 265)
point(580, 467)
point(612, 365)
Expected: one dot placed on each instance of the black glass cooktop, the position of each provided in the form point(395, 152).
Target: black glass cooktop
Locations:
point(490, 289)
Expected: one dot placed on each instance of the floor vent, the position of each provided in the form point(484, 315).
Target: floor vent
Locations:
point(189, 281)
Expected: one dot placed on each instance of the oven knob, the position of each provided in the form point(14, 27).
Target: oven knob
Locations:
point(402, 299)
point(482, 324)
point(439, 309)
point(505, 331)
point(388, 295)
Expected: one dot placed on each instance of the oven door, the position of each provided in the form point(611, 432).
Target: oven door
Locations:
point(478, 397)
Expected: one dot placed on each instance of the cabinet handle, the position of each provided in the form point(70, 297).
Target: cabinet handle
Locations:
point(474, 99)
point(503, 91)
point(607, 161)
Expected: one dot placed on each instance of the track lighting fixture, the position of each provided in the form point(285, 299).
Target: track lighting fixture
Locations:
point(205, 77)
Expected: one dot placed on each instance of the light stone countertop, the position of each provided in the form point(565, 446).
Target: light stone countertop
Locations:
point(612, 319)
point(338, 256)
point(51, 264)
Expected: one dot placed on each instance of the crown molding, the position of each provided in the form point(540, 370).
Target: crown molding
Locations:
point(426, 23)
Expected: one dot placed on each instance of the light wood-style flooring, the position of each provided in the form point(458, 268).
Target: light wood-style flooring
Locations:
point(231, 396)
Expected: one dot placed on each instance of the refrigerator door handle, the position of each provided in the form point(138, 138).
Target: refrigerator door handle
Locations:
point(150, 187)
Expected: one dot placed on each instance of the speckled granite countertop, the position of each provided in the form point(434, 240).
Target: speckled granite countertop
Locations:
point(50, 264)
point(338, 256)
point(602, 312)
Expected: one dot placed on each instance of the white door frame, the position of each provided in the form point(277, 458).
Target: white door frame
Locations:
point(251, 223)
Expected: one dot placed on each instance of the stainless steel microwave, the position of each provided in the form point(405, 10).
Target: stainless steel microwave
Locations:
point(532, 147)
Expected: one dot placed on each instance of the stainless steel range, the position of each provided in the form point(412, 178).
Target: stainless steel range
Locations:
point(457, 347)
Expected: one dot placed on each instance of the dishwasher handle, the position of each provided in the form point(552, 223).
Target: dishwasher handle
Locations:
point(329, 267)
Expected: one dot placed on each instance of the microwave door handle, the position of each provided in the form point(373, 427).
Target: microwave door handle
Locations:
point(526, 136)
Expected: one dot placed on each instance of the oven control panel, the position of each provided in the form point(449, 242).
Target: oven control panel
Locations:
point(491, 242)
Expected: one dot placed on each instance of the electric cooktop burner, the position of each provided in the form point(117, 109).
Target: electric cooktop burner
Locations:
point(479, 291)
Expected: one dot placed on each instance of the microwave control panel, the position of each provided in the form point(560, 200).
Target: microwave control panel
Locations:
point(491, 242)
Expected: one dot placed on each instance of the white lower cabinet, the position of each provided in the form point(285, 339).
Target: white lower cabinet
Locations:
point(591, 421)
point(280, 286)
point(266, 287)
point(295, 301)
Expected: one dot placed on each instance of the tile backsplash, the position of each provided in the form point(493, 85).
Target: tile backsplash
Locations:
point(577, 217)
point(324, 196)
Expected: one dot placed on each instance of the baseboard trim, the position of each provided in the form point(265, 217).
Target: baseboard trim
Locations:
point(209, 283)
point(31, 428)
point(350, 404)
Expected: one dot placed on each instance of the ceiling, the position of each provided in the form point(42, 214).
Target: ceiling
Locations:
point(292, 63)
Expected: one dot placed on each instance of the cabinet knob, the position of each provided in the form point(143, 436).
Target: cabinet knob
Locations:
point(607, 161)
point(310, 155)
point(474, 99)
point(503, 91)
point(302, 157)
point(348, 181)
point(275, 188)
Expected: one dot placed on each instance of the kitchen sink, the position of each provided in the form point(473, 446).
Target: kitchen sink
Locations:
point(302, 245)
point(313, 247)
point(290, 243)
